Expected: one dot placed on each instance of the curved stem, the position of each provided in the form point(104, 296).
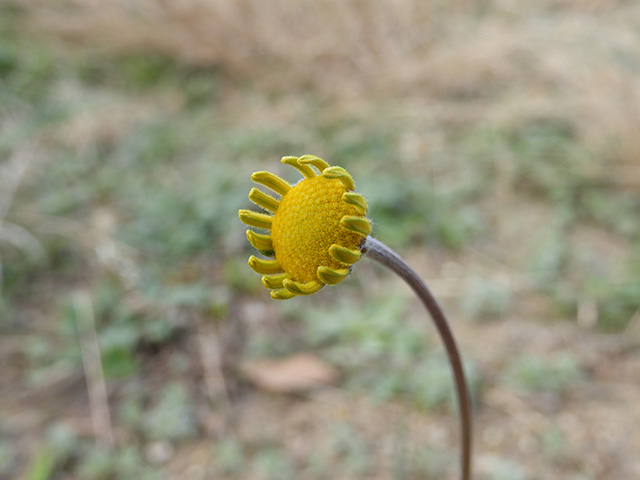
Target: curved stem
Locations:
point(383, 254)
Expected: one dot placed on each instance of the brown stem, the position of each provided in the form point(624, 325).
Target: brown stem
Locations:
point(387, 257)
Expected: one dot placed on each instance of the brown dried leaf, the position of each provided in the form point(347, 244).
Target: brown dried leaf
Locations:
point(291, 374)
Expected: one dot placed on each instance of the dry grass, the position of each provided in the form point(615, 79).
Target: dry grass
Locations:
point(496, 62)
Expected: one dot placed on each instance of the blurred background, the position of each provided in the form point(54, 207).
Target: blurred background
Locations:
point(498, 145)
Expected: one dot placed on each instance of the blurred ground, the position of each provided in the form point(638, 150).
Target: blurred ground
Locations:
point(496, 143)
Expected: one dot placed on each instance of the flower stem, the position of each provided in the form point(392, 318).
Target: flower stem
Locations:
point(387, 257)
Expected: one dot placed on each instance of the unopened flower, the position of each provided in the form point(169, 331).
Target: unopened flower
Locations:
point(317, 228)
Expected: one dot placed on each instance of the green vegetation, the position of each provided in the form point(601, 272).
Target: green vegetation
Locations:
point(386, 358)
point(535, 374)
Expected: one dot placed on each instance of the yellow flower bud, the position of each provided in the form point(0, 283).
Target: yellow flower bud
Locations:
point(317, 227)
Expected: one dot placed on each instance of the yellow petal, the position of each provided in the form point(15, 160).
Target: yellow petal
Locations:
point(317, 162)
point(340, 174)
point(331, 276)
point(283, 294)
point(263, 200)
point(306, 170)
point(300, 288)
point(255, 219)
point(274, 281)
point(264, 266)
point(272, 181)
point(260, 242)
point(356, 200)
point(356, 224)
point(344, 255)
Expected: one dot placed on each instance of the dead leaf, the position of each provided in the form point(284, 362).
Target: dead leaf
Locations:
point(291, 374)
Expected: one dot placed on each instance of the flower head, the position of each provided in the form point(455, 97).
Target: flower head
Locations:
point(317, 227)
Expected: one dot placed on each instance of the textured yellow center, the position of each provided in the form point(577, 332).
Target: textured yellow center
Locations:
point(307, 223)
